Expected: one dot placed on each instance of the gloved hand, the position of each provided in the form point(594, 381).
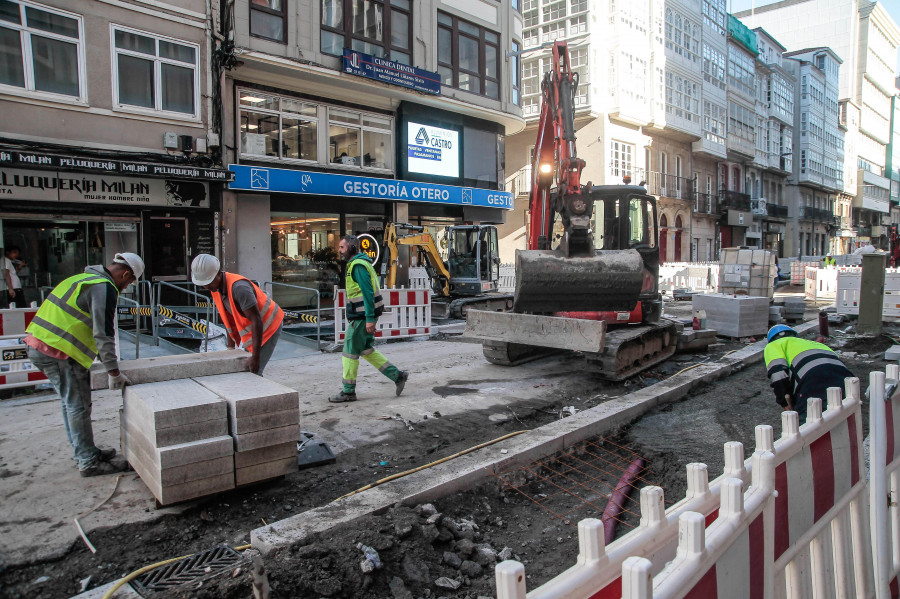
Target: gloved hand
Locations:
point(118, 381)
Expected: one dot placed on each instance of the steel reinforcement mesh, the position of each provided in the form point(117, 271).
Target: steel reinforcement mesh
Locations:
point(579, 482)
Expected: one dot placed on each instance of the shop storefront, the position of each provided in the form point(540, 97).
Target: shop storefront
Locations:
point(66, 212)
point(308, 212)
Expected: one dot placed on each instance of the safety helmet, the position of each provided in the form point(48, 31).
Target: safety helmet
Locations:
point(204, 269)
point(132, 261)
point(779, 331)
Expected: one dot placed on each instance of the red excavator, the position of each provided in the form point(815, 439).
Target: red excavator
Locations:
point(589, 279)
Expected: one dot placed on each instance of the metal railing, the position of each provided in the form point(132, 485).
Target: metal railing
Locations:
point(138, 320)
point(706, 203)
point(271, 293)
point(817, 214)
point(733, 200)
point(670, 186)
point(777, 211)
point(157, 304)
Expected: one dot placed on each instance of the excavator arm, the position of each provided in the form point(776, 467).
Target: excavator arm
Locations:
point(425, 242)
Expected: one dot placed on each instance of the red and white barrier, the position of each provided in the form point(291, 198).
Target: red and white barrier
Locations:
point(815, 540)
point(407, 313)
point(16, 369)
point(884, 488)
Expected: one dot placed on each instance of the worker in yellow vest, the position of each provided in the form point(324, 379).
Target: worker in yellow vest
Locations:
point(74, 325)
point(249, 315)
point(364, 306)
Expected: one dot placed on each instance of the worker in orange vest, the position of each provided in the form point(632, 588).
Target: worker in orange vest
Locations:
point(249, 315)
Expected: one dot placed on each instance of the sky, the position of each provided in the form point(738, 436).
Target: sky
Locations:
point(892, 6)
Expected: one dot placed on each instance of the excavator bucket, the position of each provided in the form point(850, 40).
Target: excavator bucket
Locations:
point(547, 281)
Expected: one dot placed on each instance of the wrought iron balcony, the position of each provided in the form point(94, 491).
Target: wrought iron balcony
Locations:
point(777, 211)
point(733, 200)
point(706, 203)
point(817, 214)
point(670, 186)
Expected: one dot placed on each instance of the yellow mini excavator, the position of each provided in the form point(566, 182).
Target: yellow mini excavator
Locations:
point(469, 278)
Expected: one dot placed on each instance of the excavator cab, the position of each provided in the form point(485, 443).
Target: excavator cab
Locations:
point(473, 259)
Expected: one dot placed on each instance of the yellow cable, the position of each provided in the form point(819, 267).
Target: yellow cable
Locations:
point(137, 573)
point(435, 463)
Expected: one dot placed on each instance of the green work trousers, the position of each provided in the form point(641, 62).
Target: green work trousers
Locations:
point(358, 343)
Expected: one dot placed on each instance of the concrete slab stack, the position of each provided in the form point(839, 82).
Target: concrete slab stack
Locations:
point(175, 435)
point(794, 307)
point(166, 368)
point(734, 315)
point(747, 272)
point(264, 422)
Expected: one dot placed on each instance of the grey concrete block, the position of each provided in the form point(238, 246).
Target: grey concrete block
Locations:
point(734, 316)
point(266, 470)
point(270, 453)
point(892, 354)
point(248, 394)
point(263, 421)
point(196, 431)
point(181, 454)
point(272, 436)
point(172, 403)
point(166, 495)
point(165, 368)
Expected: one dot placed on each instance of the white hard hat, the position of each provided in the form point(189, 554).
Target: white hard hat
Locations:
point(132, 261)
point(204, 269)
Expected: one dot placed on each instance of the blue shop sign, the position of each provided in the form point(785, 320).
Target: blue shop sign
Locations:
point(280, 180)
point(388, 71)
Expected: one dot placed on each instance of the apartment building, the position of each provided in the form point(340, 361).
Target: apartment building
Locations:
point(341, 116)
point(106, 142)
point(865, 39)
point(818, 143)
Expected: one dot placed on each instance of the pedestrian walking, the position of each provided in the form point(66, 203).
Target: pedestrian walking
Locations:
point(74, 325)
point(251, 317)
point(11, 265)
point(364, 306)
point(799, 369)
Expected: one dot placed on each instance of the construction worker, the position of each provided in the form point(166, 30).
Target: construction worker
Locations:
point(829, 261)
point(364, 306)
point(249, 315)
point(74, 325)
point(799, 369)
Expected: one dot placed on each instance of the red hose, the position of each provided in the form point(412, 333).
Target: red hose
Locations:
point(618, 499)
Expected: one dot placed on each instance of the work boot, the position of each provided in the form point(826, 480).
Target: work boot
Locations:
point(401, 381)
point(106, 454)
point(101, 468)
point(342, 397)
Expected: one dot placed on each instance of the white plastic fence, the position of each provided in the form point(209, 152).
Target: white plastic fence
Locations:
point(821, 283)
point(16, 369)
point(418, 278)
point(407, 313)
point(798, 270)
point(697, 276)
point(799, 530)
point(847, 292)
point(507, 283)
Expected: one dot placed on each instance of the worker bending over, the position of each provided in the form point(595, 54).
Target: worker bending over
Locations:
point(799, 369)
point(364, 306)
point(249, 315)
point(75, 324)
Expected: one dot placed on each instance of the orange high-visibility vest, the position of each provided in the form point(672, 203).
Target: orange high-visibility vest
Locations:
point(237, 326)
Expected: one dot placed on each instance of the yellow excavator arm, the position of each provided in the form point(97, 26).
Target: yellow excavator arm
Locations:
point(423, 241)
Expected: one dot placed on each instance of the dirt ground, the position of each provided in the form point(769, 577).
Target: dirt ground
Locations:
point(529, 520)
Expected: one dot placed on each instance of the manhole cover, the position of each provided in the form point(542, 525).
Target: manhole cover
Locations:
point(195, 568)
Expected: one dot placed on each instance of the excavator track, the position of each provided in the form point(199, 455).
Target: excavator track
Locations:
point(630, 350)
point(627, 350)
point(491, 302)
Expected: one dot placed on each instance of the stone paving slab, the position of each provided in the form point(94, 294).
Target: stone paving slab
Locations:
point(242, 459)
point(166, 495)
point(165, 368)
point(263, 421)
point(248, 394)
point(272, 436)
point(168, 404)
point(265, 470)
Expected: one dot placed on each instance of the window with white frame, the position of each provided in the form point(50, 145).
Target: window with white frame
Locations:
point(741, 71)
point(682, 97)
point(578, 59)
point(576, 6)
point(713, 66)
point(554, 10)
point(714, 122)
point(296, 129)
point(682, 35)
point(714, 15)
point(155, 73)
point(741, 122)
point(41, 49)
point(621, 156)
point(578, 25)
